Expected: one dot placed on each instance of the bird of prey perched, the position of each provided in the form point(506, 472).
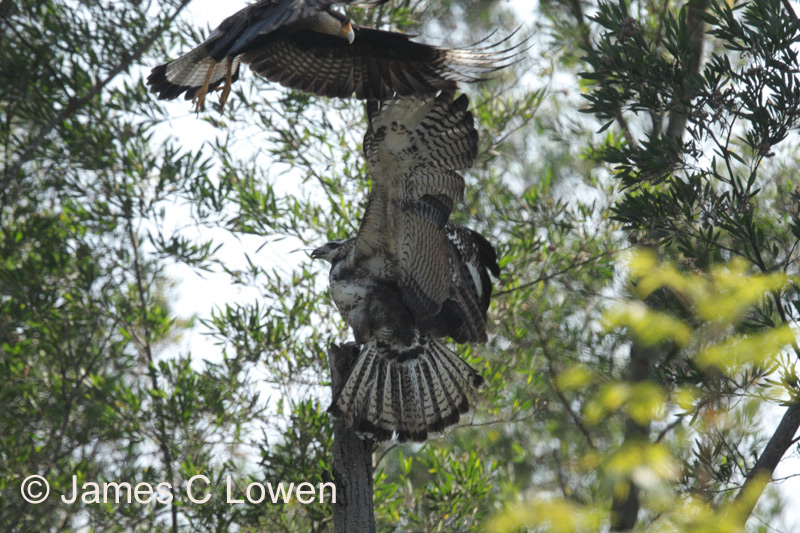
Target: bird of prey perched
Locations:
point(308, 46)
point(410, 276)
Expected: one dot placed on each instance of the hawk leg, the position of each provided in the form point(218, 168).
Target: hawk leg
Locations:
point(200, 98)
point(226, 89)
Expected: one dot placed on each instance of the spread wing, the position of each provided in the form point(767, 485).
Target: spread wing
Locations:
point(247, 29)
point(413, 148)
point(377, 65)
point(288, 42)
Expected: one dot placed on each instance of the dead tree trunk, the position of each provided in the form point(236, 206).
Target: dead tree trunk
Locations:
point(352, 458)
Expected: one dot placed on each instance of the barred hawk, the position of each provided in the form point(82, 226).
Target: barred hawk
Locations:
point(308, 46)
point(410, 276)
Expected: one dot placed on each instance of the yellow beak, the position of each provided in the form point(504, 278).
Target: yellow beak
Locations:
point(347, 32)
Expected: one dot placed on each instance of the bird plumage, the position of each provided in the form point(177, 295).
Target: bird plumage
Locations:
point(307, 46)
point(411, 276)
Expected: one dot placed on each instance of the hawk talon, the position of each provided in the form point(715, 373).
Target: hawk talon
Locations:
point(199, 102)
point(200, 98)
point(358, 65)
point(226, 89)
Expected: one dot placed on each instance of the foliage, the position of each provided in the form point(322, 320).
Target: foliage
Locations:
point(716, 352)
point(92, 387)
point(618, 394)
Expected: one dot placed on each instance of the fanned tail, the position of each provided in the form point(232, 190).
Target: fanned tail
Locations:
point(407, 391)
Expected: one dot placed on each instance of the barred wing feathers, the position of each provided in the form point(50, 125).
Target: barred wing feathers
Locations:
point(293, 42)
point(413, 148)
point(248, 29)
point(378, 64)
point(418, 275)
point(463, 314)
point(411, 388)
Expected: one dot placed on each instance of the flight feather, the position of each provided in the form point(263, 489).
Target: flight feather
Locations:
point(411, 277)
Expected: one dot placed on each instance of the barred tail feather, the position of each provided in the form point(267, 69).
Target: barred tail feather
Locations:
point(407, 391)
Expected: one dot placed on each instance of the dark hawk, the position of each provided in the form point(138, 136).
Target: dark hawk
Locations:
point(308, 46)
point(410, 276)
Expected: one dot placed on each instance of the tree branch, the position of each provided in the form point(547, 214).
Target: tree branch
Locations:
point(551, 370)
point(151, 370)
point(571, 266)
point(625, 509)
point(781, 440)
point(678, 116)
point(79, 103)
point(352, 457)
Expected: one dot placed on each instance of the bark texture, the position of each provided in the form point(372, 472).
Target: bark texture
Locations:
point(779, 443)
point(353, 511)
point(625, 507)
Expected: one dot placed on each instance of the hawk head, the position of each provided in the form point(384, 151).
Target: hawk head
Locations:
point(332, 251)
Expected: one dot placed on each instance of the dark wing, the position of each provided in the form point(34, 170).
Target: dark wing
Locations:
point(477, 258)
point(248, 28)
point(377, 65)
point(463, 314)
point(413, 147)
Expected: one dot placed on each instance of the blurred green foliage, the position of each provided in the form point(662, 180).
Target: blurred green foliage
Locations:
point(715, 346)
